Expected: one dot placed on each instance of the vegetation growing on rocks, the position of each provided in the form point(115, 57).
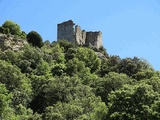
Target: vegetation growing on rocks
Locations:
point(61, 81)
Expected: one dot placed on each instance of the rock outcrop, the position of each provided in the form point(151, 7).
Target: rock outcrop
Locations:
point(11, 42)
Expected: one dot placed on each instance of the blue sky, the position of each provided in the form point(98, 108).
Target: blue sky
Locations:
point(129, 27)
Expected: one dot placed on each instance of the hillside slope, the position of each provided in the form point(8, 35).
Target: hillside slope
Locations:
point(63, 81)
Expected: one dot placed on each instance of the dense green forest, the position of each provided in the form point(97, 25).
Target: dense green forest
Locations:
point(64, 81)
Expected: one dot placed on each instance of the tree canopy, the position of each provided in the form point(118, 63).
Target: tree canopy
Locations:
point(35, 39)
point(10, 27)
point(63, 81)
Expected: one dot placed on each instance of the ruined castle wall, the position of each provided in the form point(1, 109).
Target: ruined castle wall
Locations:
point(68, 31)
point(65, 31)
point(84, 36)
point(94, 38)
point(80, 36)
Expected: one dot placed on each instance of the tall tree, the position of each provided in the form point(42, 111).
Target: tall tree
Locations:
point(35, 39)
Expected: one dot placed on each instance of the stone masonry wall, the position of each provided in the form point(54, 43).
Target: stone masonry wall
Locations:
point(94, 38)
point(80, 35)
point(65, 31)
point(68, 31)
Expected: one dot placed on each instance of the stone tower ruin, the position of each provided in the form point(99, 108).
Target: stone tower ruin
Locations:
point(68, 31)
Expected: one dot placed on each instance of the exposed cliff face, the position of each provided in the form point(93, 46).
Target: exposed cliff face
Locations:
point(11, 42)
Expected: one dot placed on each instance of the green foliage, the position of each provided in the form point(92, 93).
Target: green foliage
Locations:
point(12, 27)
point(62, 111)
point(90, 106)
point(58, 69)
point(133, 102)
point(10, 56)
point(65, 44)
point(131, 66)
point(111, 82)
point(154, 82)
point(32, 56)
point(23, 35)
point(22, 113)
point(61, 81)
point(6, 112)
point(57, 54)
point(4, 30)
point(15, 82)
point(42, 68)
point(103, 51)
point(65, 89)
point(68, 98)
point(145, 74)
point(35, 39)
point(89, 58)
point(109, 65)
point(74, 66)
point(71, 53)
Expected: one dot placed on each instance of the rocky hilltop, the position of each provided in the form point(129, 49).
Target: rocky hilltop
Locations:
point(11, 42)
